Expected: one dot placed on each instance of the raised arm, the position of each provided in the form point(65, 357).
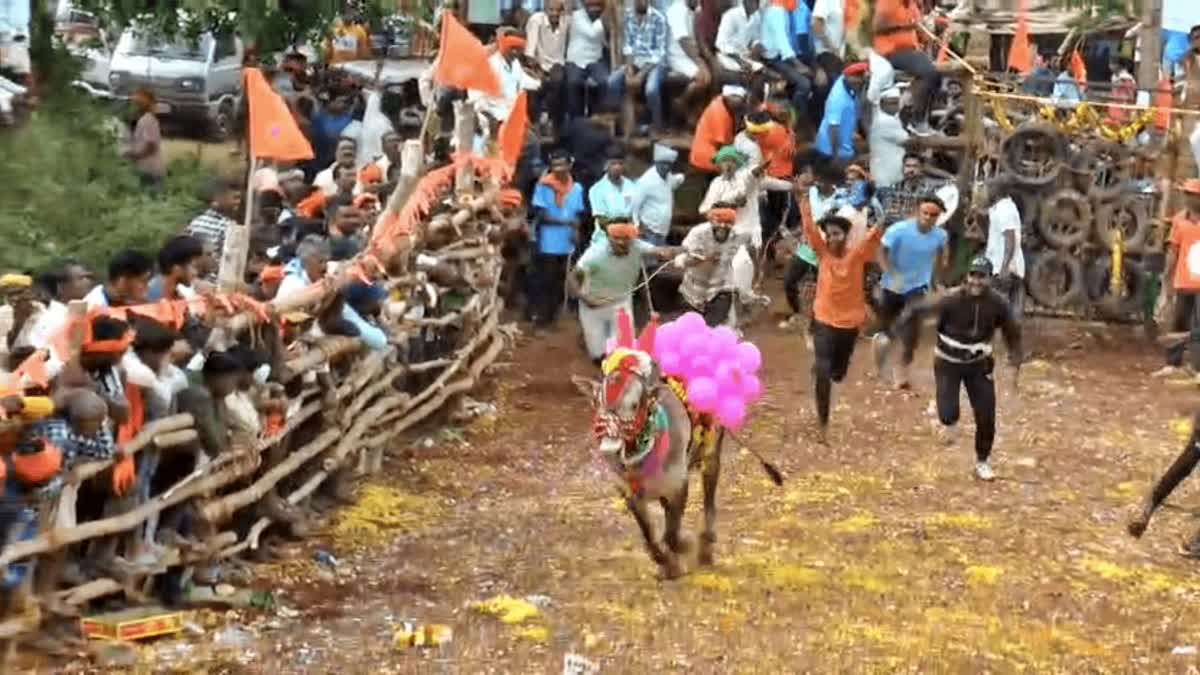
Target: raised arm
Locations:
point(812, 235)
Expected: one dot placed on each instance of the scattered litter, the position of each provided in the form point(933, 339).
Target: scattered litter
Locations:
point(411, 634)
point(1185, 650)
point(538, 634)
point(225, 590)
point(287, 612)
point(132, 624)
point(538, 600)
point(233, 637)
point(574, 664)
point(115, 655)
point(325, 558)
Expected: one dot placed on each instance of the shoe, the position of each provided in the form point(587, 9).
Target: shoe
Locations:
point(1166, 371)
point(948, 435)
point(983, 471)
point(790, 322)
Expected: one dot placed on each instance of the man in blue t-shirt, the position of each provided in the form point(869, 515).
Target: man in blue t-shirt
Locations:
point(558, 208)
point(908, 255)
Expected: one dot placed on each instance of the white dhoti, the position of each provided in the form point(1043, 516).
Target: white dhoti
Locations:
point(600, 323)
point(682, 65)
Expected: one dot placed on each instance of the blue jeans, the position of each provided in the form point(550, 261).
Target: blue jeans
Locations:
point(800, 83)
point(577, 85)
point(653, 91)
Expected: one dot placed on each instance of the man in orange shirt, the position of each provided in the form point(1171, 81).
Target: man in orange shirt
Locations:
point(1181, 283)
point(717, 127)
point(895, 38)
point(840, 307)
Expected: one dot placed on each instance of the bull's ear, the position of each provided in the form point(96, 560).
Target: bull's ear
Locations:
point(586, 386)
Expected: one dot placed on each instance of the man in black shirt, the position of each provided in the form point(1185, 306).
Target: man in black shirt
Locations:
point(967, 319)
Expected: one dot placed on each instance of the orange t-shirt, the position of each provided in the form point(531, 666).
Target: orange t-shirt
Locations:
point(1185, 237)
point(896, 13)
point(780, 145)
point(713, 131)
point(840, 301)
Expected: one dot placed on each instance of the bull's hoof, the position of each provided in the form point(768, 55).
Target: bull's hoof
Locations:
point(680, 545)
point(670, 570)
point(705, 557)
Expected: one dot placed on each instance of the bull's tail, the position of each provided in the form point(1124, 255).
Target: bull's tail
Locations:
point(772, 471)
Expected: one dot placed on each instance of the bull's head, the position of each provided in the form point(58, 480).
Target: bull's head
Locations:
point(622, 398)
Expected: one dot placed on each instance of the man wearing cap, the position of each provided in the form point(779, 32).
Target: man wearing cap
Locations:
point(716, 127)
point(603, 280)
point(645, 60)
point(886, 139)
point(835, 137)
point(612, 196)
point(967, 319)
point(654, 197)
point(737, 185)
point(912, 250)
point(1181, 280)
point(707, 261)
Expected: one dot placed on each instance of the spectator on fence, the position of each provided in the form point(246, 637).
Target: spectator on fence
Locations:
point(887, 138)
point(547, 33)
point(494, 110)
point(644, 65)
point(21, 295)
point(224, 206)
point(739, 32)
point(345, 226)
point(205, 402)
point(683, 55)
point(329, 180)
point(128, 281)
point(176, 269)
point(717, 127)
point(82, 431)
point(32, 470)
point(779, 50)
point(97, 368)
point(307, 268)
point(558, 212)
point(654, 197)
point(64, 282)
point(363, 309)
point(586, 65)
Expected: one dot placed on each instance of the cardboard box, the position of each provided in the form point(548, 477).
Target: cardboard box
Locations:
point(132, 624)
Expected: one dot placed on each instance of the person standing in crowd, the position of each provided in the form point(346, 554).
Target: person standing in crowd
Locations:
point(895, 38)
point(1181, 280)
point(612, 196)
point(1003, 248)
point(349, 40)
point(738, 185)
point(765, 136)
point(740, 30)
point(604, 280)
point(587, 65)
point(307, 268)
point(912, 250)
point(901, 199)
point(828, 29)
point(839, 307)
point(328, 124)
point(128, 281)
point(145, 148)
point(707, 261)
point(65, 282)
point(224, 205)
point(546, 45)
point(684, 57)
point(644, 67)
point(558, 212)
point(176, 269)
point(717, 127)
point(835, 137)
point(887, 138)
point(344, 158)
point(654, 197)
point(779, 51)
point(967, 319)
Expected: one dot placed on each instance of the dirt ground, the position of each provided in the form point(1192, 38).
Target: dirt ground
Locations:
point(879, 554)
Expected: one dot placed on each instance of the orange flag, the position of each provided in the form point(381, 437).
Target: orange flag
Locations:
point(1078, 69)
point(463, 60)
point(1020, 55)
point(1164, 100)
point(273, 132)
point(512, 132)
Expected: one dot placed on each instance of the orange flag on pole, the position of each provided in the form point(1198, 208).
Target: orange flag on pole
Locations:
point(1078, 68)
point(1020, 55)
point(273, 132)
point(462, 62)
point(511, 137)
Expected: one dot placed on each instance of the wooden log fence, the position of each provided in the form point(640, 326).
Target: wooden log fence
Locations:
point(376, 396)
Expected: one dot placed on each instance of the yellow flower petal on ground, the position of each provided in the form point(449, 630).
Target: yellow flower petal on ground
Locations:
point(859, 523)
point(1107, 570)
point(712, 582)
point(508, 609)
point(961, 521)
point(986, 575)
point(1182, 428)
point(538, 634)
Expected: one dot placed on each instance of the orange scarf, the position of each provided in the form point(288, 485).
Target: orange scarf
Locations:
point(561, 188)
point(137, 414)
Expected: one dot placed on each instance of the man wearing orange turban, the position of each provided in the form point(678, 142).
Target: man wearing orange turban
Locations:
point(707, 261)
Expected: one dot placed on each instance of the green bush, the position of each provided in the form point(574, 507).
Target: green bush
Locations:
point(65, 192)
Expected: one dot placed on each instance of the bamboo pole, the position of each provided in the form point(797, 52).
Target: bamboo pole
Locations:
point(231, 274)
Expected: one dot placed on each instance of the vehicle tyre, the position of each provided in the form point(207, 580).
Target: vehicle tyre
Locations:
point(220, 127)
point(1055, 279)
point(1066, 219)
point(1101, 169)
point(1034, 154)
point(1131, 214)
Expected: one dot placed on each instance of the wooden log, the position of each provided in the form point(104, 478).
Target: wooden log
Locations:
point(20, 625)
point(465, 254)
point(251, 541)
point(325, 351)
point(58, 538)
point(364, 421)
point(485, 332)
point(218, 510)
point(366, 370)
point(231, 274)
point(370, 393)
point(175, 439)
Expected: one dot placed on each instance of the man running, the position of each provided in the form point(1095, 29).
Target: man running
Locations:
point(839, 309)
point(1181, 468)
point(707, 261)
point(911, 251)
point(967, 319)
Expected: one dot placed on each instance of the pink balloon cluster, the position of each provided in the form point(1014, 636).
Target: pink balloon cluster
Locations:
point(721, 373)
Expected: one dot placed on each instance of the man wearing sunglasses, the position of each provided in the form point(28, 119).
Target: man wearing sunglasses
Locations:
point(967, 319)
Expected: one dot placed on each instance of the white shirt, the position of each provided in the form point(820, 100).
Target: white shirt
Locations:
point(887, 137)
point(96, 297)
point(654, 200)
point(742, 184)
point(292, 284)
point(586, 43)
point(546, 44)
point(1003, 216)
point(834, 40)
point(325, 180)
point(748, 147)
point(882, 78)
point(681, 24)
point(48, 325)
point(512, 80)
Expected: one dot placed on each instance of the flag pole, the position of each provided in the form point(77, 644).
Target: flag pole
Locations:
point(232, 272)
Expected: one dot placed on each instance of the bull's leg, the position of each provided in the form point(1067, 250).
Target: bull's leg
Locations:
point(673, 509)
point(710, 473)
point(666, 560)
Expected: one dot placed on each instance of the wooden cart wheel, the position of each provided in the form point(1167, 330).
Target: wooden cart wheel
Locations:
point(1066, 219)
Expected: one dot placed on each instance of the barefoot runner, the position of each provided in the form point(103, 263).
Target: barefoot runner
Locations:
point(839, 308)
point(967, 319)
point(1181, 468)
